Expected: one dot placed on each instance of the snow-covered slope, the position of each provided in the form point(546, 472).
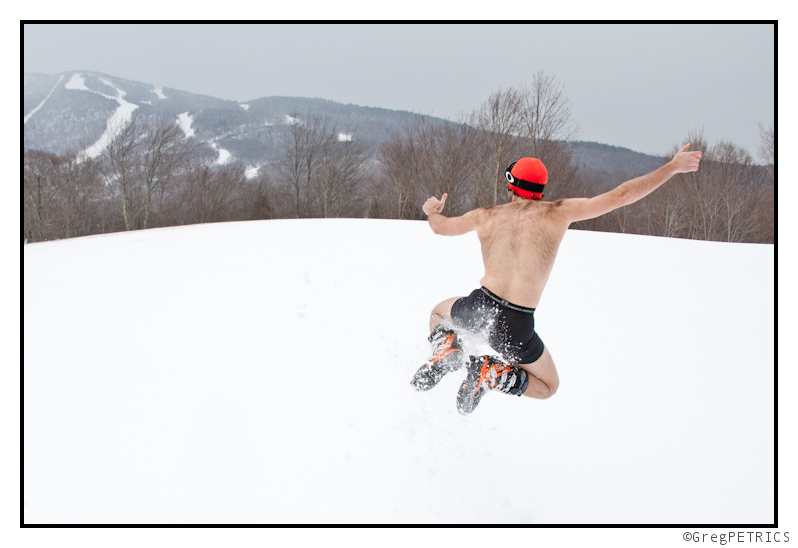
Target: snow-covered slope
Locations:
point(75, 111)
point(258, 372)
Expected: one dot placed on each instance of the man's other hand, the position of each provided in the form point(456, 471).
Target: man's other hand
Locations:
point(684, 161)
point(434, 205)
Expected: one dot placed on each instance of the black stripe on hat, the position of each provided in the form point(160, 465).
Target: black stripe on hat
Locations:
point(526, 185)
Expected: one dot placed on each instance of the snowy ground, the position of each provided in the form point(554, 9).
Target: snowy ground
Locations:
point(258, 372)
point(185, 121)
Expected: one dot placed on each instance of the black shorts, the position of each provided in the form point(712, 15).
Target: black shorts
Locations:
point(510, 328)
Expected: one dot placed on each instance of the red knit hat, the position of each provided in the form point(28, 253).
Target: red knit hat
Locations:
point(527, 178)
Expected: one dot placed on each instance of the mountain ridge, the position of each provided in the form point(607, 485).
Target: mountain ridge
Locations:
point(63, 119)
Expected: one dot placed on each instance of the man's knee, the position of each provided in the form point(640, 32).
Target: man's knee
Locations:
point(551, 390)
point(540, 389)
point(547, 381)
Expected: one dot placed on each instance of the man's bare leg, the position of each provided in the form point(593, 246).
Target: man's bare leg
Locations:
point(447, 350)
point(442, 312)
point(543, 378)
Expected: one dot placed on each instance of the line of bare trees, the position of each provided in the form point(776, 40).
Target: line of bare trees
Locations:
point(730, 199)
point(151, 175)
point(148, 175)
point(62, 198)
point(320, 173)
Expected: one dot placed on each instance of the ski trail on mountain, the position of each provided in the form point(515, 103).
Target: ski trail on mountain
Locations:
point(34, 111)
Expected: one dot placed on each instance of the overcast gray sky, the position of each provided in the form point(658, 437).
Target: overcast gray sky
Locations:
point(638, 86)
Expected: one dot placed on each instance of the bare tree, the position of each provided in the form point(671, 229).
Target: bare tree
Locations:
point(80, 198)
point(501, 121)
point(734, 188)
point(767, 150)
point(401, 160)
point(767, 154)
point(320, 168)
point(39, 186)
point(258, 198)
point(664, 211)
point(447, 165)
point(165, 150)
point(341, 177)
point(698, 212)
point(207, 192)
point(547, 113)
point(120, 164)
point(303, 149)
point(549, 128)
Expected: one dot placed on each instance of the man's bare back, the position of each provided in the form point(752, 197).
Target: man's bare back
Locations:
point(519, 242)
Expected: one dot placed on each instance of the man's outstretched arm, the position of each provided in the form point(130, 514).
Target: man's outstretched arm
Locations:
point(449, 226)
point(579, 209)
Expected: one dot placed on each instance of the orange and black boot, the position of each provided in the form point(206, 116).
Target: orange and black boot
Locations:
point(447, 355)
point(489, 373)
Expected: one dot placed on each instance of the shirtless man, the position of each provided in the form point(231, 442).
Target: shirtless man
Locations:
point(519, 242)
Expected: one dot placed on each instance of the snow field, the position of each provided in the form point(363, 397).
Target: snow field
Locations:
point(184, 120)
point(258, 372)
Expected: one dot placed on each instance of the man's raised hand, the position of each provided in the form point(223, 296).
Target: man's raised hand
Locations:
point(434, 205)
point(684, 161)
